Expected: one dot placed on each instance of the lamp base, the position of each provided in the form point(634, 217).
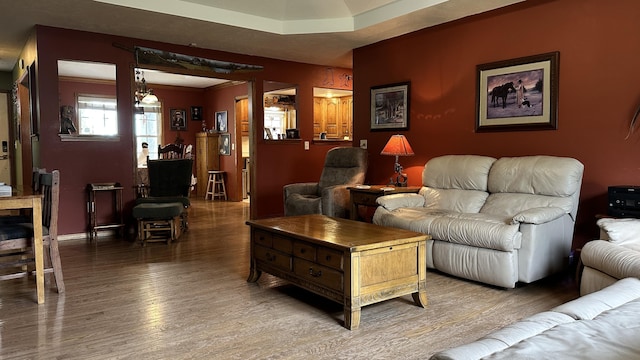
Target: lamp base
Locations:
point(399, 181)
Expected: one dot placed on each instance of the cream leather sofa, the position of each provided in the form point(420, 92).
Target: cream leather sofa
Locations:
point(615, 256)
point(496, 221)
point(600, 325)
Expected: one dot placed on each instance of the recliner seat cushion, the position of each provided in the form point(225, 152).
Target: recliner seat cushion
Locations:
point(510, 204)
point(477, 230)
point(466, 201)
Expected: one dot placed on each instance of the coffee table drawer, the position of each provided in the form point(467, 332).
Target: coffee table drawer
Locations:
point(304, 250)
point(318, 274)
point(282, 244)
point(263, 238)
point(272, 257)
point(331, 258)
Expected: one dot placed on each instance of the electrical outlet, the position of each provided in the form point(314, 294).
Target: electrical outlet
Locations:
point(306, 145)
point(363, 143)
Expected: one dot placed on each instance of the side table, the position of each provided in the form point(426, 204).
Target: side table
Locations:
point(117, 221)
point(365, 195)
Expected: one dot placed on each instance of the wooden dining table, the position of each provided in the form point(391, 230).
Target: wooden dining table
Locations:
point(33, 202)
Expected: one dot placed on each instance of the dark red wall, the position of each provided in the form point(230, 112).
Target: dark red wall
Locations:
point(599, 45)
point(80, 163)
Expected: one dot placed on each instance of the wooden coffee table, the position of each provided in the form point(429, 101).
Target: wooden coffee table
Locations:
point(351, 262)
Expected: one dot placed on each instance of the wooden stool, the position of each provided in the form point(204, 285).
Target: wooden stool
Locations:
point(215, 185)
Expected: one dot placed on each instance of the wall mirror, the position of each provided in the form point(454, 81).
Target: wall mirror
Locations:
point(332, 114)
point(280, 111)
point(88, 104)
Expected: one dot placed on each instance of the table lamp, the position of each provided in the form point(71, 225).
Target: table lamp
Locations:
point(398, 146)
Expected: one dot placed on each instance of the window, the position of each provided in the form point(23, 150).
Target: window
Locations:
point(148, 119)
point(279, 109)
point(98, 115)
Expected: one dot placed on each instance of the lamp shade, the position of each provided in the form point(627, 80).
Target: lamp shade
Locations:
point(397, 145)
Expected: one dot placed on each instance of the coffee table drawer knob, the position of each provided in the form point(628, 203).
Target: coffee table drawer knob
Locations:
point(315, 274)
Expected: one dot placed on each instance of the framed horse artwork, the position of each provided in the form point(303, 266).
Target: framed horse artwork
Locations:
point(518, 94)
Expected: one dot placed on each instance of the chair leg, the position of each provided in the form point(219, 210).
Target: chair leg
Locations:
point(54, 255)
point(141, 231)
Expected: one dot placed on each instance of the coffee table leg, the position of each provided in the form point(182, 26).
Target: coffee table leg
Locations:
point(254, 274)
point(420, 298)
point(351, 318)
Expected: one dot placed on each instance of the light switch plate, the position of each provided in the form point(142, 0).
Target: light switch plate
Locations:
point(363, 143)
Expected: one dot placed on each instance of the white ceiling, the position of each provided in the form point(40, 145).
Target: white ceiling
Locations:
point(320, 32)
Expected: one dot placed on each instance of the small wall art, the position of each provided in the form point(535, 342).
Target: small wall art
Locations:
point(224, 144)
point(390, 107)
point(221, 121)
point(178, 119)
point(196, 113)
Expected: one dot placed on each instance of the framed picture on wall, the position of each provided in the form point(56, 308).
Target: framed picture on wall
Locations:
point(390, 107)
point(224, 144)
point(178, 119)
point(196, 113)
point(221, 121)
point(518, 94)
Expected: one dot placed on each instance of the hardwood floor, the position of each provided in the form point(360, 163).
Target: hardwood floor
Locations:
point(190, 300)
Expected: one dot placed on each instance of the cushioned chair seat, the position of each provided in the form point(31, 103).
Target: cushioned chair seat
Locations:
point(165, 199)
point(19, 230)
point(157, 210)
point(14, 219)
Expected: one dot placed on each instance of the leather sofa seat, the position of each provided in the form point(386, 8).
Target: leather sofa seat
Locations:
point(600, 325)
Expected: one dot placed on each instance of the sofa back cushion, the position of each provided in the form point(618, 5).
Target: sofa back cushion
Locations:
point(463, 201)
point(464, 172)
point(520, 183)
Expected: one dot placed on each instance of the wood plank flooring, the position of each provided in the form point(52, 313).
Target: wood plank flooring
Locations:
point(190, 300)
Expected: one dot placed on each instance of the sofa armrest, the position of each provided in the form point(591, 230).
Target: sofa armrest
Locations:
point(396, 201)
point(614, 260)
point(310, 188)
point(539, 215)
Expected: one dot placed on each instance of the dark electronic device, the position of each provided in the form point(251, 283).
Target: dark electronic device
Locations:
point(624, 201)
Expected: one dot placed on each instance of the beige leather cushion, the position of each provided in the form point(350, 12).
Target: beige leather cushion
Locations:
point(510, 204)
point(540, 175)
point(466, 172)
point(465, 201)
point(625, 232)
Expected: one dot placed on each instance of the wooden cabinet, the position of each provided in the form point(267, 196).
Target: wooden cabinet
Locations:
point(207, 158)
point(333, 116)
point(242, 115)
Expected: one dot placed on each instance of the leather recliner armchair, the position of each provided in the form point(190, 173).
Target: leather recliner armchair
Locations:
point(343, 167)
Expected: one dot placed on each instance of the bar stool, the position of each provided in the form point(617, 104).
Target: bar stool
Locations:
point(215, 185)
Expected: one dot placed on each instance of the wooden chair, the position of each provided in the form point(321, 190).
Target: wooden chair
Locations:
point(163, 214)
point(16, 238)
point(171, 151)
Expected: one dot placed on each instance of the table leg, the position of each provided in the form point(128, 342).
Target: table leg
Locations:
point(254, 274)
point(351, 318)
point(38, 248)
point(420, 298)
